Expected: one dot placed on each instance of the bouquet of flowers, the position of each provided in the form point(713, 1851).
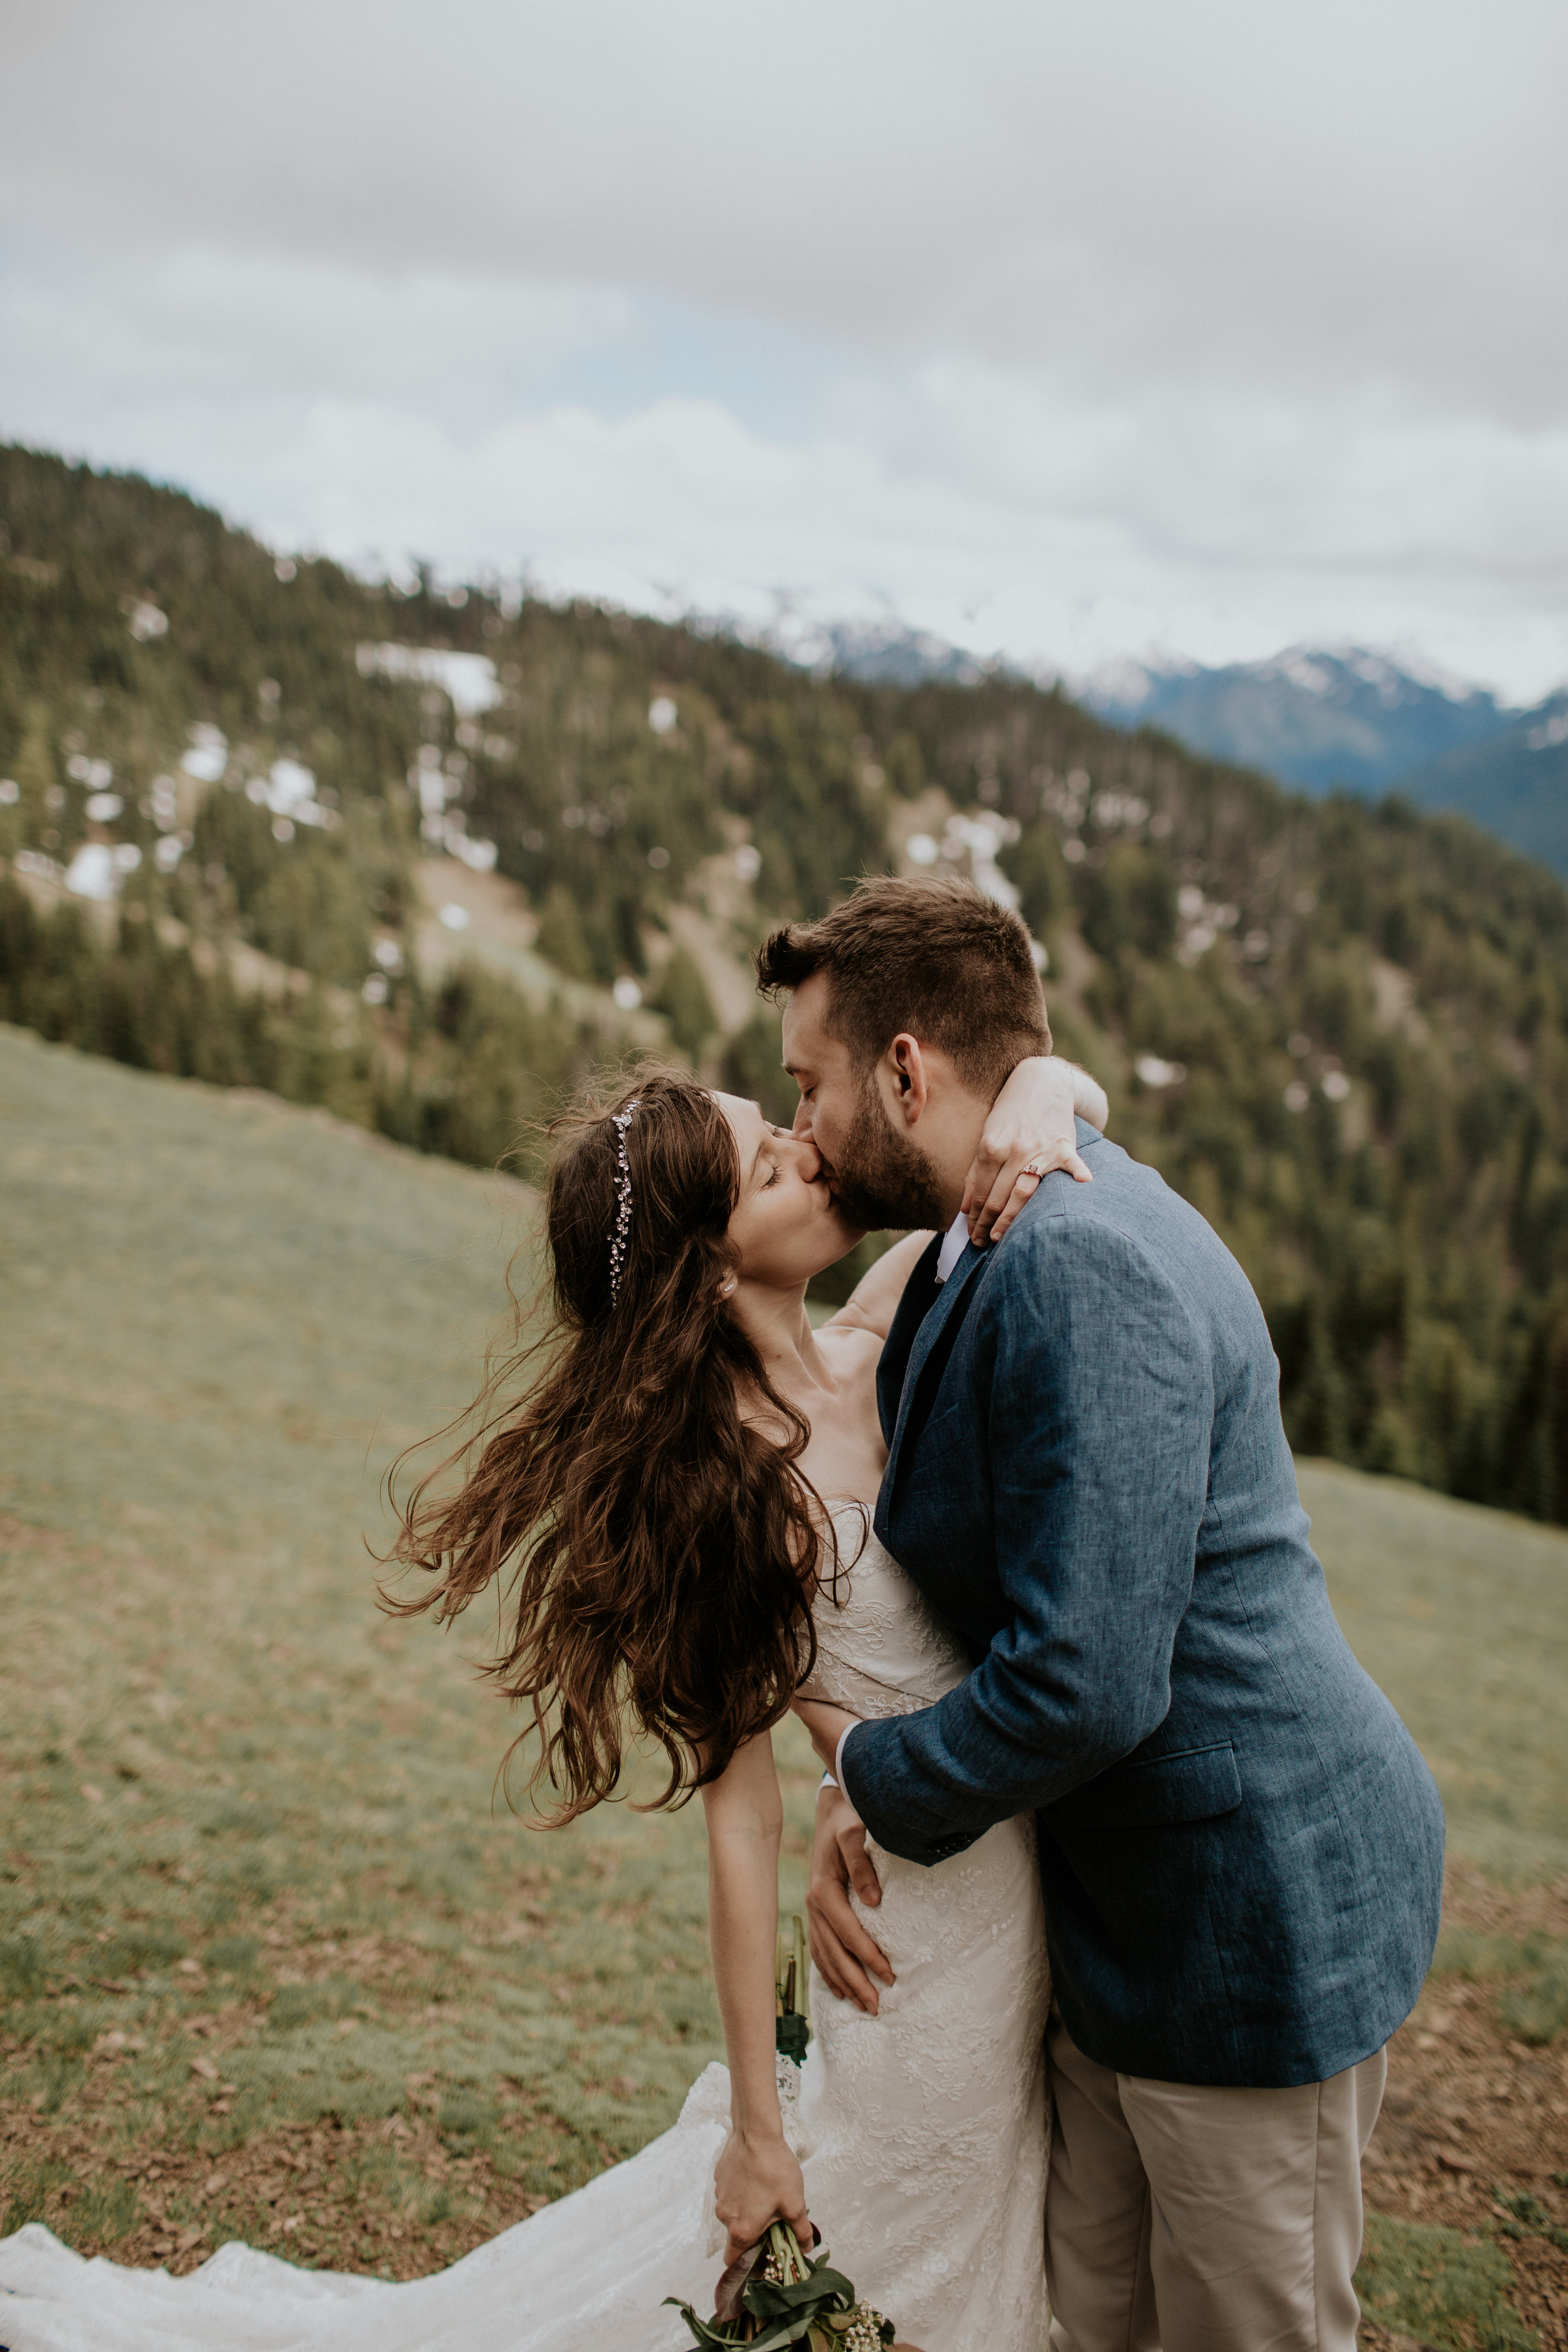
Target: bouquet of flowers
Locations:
point(775, 2296)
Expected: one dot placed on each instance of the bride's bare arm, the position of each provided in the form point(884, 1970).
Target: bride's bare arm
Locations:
point(758, 2179)
point(874, 1301)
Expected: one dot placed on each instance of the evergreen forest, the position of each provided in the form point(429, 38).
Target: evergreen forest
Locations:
point(231, 784)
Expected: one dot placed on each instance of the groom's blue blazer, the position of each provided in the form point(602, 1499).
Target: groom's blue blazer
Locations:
point(1240, 1846)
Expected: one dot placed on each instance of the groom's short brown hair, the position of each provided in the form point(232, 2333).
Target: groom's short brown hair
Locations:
point(935, 958)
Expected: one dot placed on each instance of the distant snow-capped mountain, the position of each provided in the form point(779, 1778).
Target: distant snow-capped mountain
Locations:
point(1323, 719)
point(1515, 783)
point(890, 654)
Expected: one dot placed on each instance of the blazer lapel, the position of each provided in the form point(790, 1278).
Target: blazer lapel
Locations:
point(922, 1292)
point(941, 1315)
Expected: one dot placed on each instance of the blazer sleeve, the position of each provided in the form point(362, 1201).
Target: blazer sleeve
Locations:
point(1092, 1405)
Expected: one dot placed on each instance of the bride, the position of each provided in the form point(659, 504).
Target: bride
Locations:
point(677, 1510)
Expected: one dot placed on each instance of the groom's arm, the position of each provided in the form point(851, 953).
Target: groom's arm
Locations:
point(1095, 1412)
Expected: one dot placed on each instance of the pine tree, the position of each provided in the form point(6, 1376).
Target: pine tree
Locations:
point(682, 997)
point(36, 815)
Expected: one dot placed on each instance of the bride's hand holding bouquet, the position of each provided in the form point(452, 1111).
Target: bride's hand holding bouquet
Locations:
point(757, 2181)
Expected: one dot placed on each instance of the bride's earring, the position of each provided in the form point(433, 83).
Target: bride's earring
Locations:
point(727, 1289)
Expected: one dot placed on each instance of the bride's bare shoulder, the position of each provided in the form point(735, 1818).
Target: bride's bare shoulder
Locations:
point(850, 1348)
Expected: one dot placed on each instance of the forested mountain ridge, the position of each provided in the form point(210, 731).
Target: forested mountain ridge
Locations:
point(1341, 1031)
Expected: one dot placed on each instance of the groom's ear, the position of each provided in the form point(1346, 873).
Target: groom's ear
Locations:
point(910, 1077)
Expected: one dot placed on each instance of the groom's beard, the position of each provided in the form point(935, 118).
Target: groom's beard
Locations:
point(883, 1178)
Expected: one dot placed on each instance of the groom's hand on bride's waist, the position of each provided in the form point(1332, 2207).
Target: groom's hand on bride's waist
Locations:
point(846, 1958)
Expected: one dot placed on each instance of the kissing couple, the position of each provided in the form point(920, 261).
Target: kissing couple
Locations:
point(1124, 1870)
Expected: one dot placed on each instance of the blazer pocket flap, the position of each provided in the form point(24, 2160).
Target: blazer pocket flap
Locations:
point(1192, 1786)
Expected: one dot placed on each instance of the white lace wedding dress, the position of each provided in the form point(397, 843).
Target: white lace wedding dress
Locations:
point(922, 2132)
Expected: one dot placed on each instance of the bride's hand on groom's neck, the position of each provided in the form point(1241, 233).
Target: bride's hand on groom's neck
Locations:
point(1030, 1131)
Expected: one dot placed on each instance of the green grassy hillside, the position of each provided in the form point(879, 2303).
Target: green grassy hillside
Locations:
point(1341, 1032)
point(271, 1961)
point(250, 1821)
point(1461, 1615)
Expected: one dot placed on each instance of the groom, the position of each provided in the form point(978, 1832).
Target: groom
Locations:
point(1240, 1848)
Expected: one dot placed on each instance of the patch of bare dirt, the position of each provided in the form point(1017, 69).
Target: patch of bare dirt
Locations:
point(1472, 2115)
point(322, 2195)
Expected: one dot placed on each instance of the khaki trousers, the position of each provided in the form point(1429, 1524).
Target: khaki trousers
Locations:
point(1191, 2218)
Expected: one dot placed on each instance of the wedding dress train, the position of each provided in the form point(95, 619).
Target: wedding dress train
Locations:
point(922, 2131)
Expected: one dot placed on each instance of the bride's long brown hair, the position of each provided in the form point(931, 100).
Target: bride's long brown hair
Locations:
point(631, 1482)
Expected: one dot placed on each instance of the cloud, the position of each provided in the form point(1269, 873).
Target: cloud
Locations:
point(233, 326)
point(1068, 331)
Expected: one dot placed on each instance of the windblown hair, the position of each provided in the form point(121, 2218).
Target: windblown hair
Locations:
point(934, 957)
point(631, 1488)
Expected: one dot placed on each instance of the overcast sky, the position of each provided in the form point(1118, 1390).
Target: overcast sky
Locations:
point(1067, 331)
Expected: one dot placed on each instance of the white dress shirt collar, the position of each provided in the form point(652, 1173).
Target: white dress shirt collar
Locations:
point(954, 1241)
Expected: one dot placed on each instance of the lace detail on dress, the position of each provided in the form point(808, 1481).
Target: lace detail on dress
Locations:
point(707, 2101)
point(787, 2074)
point(881, 1649)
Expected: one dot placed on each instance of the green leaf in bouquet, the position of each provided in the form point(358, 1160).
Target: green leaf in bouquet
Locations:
point(732, 2281)
point(821, 2289)
point(787, 2330)
point(726, 2333)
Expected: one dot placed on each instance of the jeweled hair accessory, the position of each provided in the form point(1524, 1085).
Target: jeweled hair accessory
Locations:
point(621, 1122)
